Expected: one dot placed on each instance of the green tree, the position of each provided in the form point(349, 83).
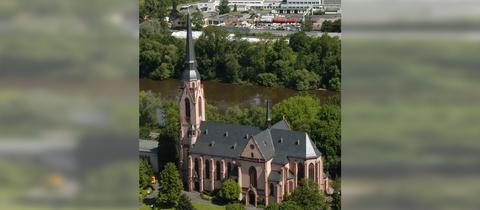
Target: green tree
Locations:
point(285, 205)
point(329, 26)
point(184, 203)
point(235, 206)
point(300, 42)
point(148, 103)
point(307, 24)
point(232, 69)
point(300, 111)
point(267, 79)
point(304, 80)
point(328, 136)
point(223, 8)
point(336, 203)
point(308, 196)
point(230, 192)
point(197, 20)
point(145, 174)
point(170, 187)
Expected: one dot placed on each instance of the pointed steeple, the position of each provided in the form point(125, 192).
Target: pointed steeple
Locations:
point(190, 73)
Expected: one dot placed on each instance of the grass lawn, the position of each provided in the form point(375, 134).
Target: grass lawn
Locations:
point(207, 206)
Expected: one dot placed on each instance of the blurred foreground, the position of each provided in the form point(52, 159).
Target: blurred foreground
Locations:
point(410, 120)
point(68, 104)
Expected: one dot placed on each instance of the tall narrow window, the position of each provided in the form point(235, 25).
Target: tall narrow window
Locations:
point(187, 109)
point(272, 189)
point(301, 171)
point(229, 169)
point(207, 169)
point(196, 168)
point(253, 176)
point(218, 170)
point(200, 107)
point(311, 171)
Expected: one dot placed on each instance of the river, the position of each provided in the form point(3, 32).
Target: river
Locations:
point(224, 95)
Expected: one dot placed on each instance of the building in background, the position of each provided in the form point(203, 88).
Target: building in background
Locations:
point(299, 6)
point(208, 5)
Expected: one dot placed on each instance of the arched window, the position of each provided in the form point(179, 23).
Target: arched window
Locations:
point(207, 169)
point(229, 169)
point(196, 168)
point(301, 171)
point(200, 106)
point(187, 109)
point(218, 170)
point(252, 172)
point(311, 171)
point(272, 189)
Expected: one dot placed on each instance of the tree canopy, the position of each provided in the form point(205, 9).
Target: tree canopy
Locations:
point(308, 196)
point(223, 8)
point(185, 203)
point(230, 192)
point(170, 187)
point(302, 63)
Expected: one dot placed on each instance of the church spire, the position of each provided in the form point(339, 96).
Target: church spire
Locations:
point(190, 73)
point(268, 117)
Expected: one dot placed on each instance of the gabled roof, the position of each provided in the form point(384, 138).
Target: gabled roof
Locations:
point(282, 124)
point(275, 176)
point(214, 140)
point(265, 144)
point(229, 140)
point(147, 145)
point(292, 144)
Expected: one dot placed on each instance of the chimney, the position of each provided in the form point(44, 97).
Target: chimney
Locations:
point(268, 117)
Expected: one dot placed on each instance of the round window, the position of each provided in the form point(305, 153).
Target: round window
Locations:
point(252, 146)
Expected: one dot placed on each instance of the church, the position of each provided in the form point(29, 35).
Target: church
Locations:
point(266, 163)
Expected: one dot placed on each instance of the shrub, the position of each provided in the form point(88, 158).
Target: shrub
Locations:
point(184, 203)
point(205, 197)
point(267, 79)
point(229, 193)
point(235, 206)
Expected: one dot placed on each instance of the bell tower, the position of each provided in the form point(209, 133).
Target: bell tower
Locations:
point(191, 99)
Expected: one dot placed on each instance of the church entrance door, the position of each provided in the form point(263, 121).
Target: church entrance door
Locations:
point(251, 198)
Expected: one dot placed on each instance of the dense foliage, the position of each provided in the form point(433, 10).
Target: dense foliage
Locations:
point(145, 174)
point(285, 205)
point(149, 102)
point(223, 8)
point(184, 203)
point(170, 187)
point(307, 196)
point(321, 122)
point(302, 63)
point(329, 26)
point(230, 192)
point(235, 206)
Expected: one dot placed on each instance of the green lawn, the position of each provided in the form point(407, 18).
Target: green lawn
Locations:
point(206, 206)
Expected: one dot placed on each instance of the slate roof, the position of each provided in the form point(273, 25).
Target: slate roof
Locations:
point(147, 145)
point(292, 144)
point(282, 124)
point(190, 73)
point(277, 142)
point(275, 176)
point(265, 144)
point(213, 139)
